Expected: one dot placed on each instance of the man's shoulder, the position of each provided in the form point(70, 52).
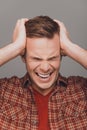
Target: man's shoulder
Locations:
point(12, 93)
point(11, 86)
point(77, 85)
point(10, 80)
point(13, 81)
point(10, 83)
point(76, 88)
point(76, 81)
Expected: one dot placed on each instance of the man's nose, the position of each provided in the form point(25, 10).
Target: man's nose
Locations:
point(45, 66)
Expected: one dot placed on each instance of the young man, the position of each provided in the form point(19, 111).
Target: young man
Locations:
point(43, 99)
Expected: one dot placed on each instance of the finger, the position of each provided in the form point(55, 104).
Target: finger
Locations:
point(23, 20)
point(17, 25)
point(16, 29)
point(61, 24)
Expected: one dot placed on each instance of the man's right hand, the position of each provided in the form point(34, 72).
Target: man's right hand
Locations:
point(19, 35)
point(17, 47)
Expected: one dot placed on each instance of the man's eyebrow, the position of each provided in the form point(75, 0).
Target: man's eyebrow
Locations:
point(39, 58)
point(53, 57)
point(35, 58)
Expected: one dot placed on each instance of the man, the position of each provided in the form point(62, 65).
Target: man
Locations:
point(43, 99)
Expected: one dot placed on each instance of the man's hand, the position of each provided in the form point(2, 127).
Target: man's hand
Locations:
point(68, 48)
point(64, 38)
point(19, 35)
point(16, 48)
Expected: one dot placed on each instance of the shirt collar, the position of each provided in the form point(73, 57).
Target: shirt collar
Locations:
point(26, 82)
point(62, 81)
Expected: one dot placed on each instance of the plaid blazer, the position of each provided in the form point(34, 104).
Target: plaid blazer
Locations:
point(67, 106)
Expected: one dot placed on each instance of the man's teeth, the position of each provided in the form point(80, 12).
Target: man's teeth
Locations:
point(44, 75)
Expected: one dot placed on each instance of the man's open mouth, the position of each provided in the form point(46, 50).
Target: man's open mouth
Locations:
point(44, 75)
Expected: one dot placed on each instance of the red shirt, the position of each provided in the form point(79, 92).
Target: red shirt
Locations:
point(42, 105)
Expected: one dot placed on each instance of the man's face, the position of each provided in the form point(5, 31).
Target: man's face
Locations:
point(43, 62)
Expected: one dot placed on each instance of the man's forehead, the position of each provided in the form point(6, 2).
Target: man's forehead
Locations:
point(43, 41)
point(43, 46)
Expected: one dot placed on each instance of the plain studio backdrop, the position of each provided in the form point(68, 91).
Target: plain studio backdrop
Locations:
point(72, 12)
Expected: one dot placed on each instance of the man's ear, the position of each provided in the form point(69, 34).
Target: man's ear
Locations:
point(23, 58)
point(62, 53)
point(23, 55)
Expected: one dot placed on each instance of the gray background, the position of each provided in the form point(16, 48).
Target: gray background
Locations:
point(72, 12)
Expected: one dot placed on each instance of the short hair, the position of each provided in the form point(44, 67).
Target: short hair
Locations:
point(41, 26)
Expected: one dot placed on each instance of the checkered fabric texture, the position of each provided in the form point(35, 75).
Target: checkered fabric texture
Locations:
point(67, 106)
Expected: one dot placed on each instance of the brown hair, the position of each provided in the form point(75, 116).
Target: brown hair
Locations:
point(41, 26)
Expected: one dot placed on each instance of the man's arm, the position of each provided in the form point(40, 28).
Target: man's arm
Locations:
point(71, 49)
point(18, 46)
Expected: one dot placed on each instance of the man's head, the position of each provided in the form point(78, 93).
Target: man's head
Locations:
point(41, 26)
point(42, 52)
